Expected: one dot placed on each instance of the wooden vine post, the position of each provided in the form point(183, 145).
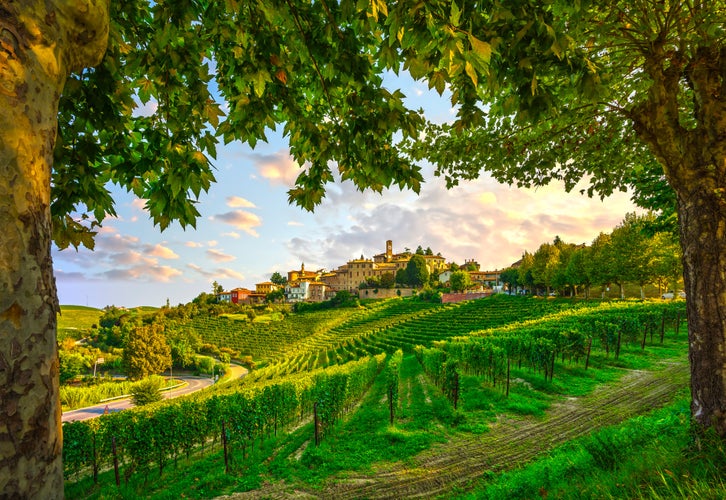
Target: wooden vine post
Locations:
point(316, 424)
point(115, 460)
point(390, 404)
point(224, 446)
point(587, 357)
point(508, 363)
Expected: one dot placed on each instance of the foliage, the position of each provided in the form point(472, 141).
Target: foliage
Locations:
point(278, 279)
point(158, 432)
point(72, 364)
point(146, 351)
point(460, 281)
point(146, 391)
point(417, 272)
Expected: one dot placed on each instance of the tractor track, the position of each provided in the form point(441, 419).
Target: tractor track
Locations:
point(510, 442)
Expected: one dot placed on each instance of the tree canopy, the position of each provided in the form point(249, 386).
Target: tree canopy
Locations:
point(146, 352)
point(619, 93)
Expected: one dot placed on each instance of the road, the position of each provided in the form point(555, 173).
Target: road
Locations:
point(193, 384)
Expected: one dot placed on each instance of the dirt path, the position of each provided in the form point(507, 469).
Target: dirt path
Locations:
point(458, 462)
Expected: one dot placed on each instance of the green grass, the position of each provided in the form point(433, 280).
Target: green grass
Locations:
point(74, 320)
point(360, 442)
point(653, 456)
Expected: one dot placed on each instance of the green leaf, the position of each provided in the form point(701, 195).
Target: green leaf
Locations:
point(481, 49)
point(471, 72)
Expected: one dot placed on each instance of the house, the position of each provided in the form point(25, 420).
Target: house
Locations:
point(240, 295)
point(297, 291)
point(266, 287)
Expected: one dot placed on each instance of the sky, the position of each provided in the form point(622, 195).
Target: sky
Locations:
point(247, 230)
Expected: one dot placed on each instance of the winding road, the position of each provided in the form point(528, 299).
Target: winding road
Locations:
point(192, 384)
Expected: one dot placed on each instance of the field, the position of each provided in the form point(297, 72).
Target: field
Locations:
point(74, 320)
point(454, 396)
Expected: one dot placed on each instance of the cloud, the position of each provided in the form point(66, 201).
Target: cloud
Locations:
point(217, 274)
point(218, 256)
point(482, 220)
point(139, 204)
point(278, 168)
point(193, 244)
point(232, 234)
point(200, 270)
point(239, 202)
point(242, 220)
point(212, 243)
point(162, 274)
point(162, 252)
point(295, 223)
point(229, 273)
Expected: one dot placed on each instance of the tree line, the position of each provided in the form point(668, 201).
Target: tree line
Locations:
point(634, 252)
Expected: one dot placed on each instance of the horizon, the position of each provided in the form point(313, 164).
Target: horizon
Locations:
point(247, 230)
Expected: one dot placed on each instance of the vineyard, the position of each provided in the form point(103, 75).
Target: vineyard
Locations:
point(392, 365)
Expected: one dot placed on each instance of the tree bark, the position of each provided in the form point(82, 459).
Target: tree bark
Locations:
point(41, 42)
point(703, 237)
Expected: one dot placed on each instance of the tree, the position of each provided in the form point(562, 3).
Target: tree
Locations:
point(622, 92)
point(460, 281)
point(388, 280)
point(524, 272)
point(217, 288)
point(666, 261)
point(545, 263)
point(599, 267)
point(619, 92)
point(146, 352)
point(402, 277)
point(631, 251)
point(278, 279)
point(577, 270)
point(417, 273)
point(509, 277)
point(275, 296)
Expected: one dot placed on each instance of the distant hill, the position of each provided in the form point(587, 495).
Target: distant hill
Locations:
point(75, 319)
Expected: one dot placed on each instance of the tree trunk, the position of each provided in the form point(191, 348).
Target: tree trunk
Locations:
point(39, 46)
point(703, 238)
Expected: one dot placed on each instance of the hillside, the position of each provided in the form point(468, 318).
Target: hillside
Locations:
point(527, 374)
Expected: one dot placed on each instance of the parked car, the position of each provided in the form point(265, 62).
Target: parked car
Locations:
point(670, 295)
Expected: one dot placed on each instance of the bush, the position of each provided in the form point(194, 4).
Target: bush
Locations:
point(147, 391)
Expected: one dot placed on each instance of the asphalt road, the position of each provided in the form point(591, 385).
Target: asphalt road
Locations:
point(193, 384)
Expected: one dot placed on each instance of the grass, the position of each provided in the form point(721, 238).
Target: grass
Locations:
point(74, 320)
point(653, 456)
point(364, 441)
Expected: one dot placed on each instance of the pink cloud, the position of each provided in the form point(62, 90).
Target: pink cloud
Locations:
point(218, 256)
point(242, 220)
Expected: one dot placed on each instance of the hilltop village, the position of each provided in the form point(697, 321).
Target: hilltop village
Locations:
point(376, 277)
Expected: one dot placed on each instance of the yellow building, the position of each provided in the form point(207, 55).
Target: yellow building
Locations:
point(265, 287)
point(302, 275)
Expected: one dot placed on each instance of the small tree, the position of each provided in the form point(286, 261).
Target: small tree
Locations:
point(402, 277)
point(460, 281)
point(278, 279)
point(388, 280)
point(146, 391)
point(146, 352)
point(416, 271)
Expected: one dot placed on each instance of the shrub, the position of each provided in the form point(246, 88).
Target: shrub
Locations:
point(146, 391)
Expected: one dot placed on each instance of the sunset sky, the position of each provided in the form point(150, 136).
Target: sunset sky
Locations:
point(247, 230)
